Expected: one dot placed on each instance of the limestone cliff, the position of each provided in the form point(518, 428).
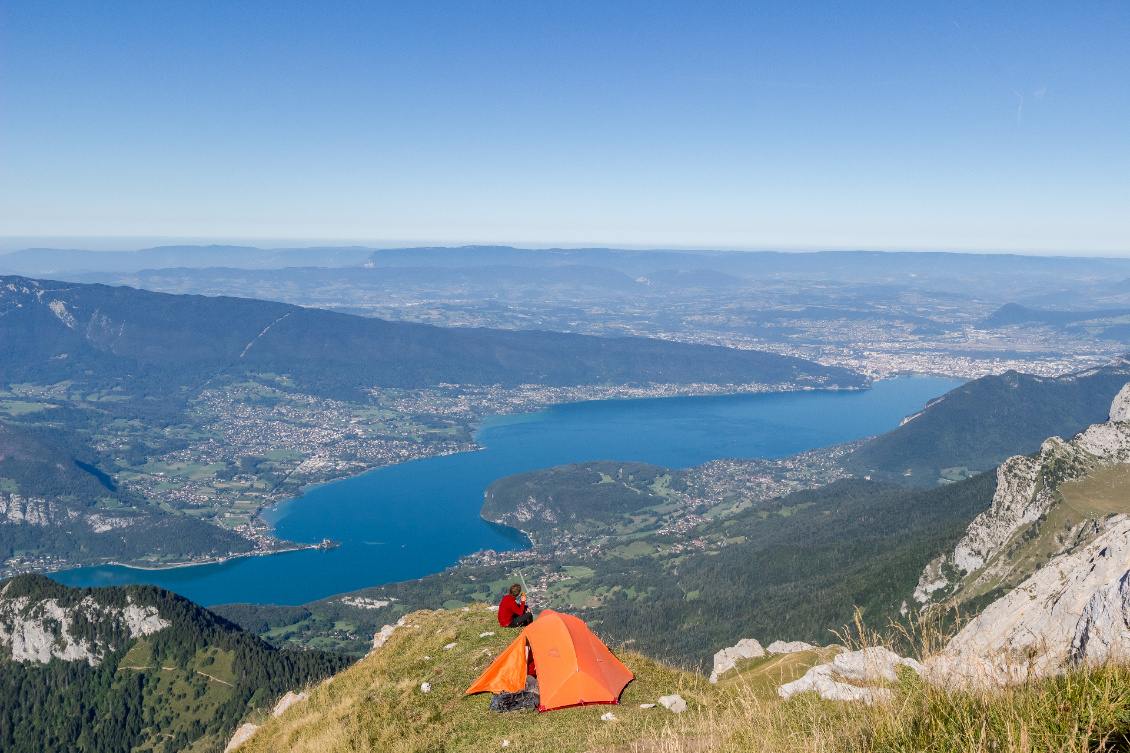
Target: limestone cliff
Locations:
point(39, 630)
point(16, 509)
point(1056, 542)
point(1030, 521)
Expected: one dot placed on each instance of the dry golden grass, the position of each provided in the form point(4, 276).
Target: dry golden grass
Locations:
point(1103, 491)
point(377, 705)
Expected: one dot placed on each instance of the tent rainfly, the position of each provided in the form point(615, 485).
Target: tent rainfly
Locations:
point(573, 667)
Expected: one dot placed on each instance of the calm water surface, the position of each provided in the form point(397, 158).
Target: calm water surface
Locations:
point(406, 521)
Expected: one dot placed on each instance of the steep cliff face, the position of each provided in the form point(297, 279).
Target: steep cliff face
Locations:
point(1057, 541)
point(1031, 520)
point(1073, 609)
point(16, 509)
point(39, 630)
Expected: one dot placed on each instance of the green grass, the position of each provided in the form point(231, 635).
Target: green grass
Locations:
point(633, 550)
point(138, 656)
point(176, 697)
point(377, 705)
point(1102, 492)
point(22, 407)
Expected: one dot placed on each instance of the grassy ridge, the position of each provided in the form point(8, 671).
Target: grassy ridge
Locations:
point(377, 705)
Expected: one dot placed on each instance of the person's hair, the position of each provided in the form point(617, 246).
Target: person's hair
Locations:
point(515, 589)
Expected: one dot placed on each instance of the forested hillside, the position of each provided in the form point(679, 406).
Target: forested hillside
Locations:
point(132, 667)
point(566, 496)
point(54, 506)
point(163, 343)
point(852, 544)
point(982, 423)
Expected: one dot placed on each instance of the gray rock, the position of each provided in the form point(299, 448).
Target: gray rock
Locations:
point(788, 647)
point(1074, 609)
point(28, 627)
point(868, 665)
point(727, 658)
point(242, 735)
point(1020, 499)
point(287, 701)
point(674, 703)
point(1120, 408)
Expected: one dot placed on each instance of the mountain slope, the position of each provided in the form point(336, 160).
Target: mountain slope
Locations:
point(109, 669)
point(851, 544)
point(52, 331)
point(982, 423)
point(53, 507)
point(378, 704)
point(1051, 558)
point(1046, 505)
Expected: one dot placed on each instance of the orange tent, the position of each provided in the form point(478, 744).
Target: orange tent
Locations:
point(574, 668)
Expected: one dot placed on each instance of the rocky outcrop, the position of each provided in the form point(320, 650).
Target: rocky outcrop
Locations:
point(727, 658)
point(852, 676)
point(43, 630)
point(384, 634)
point(16, 509)
point(531, 509)
point(242, 735)
point(788, 647)
point(1071, 608)
point(1075, 609)
point(287, 701)
point(1120, 408)
point(1015, 504)
point(1026, 491)
point(1103, 629)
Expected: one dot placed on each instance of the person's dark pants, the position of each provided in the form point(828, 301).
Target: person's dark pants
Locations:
point(521, 620)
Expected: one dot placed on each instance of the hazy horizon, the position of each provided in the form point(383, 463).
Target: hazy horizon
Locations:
point(112, 244)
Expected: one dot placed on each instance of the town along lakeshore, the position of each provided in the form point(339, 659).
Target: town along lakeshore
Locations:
point(408, 520)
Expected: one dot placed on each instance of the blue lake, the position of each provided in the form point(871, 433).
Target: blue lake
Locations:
point(406, 521)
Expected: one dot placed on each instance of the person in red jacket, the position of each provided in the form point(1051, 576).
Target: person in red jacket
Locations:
point(511, 613)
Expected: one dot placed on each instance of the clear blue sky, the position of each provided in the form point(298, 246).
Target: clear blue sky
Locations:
point(948, 125)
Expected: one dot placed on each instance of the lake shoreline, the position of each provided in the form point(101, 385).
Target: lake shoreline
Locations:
point(425, 513)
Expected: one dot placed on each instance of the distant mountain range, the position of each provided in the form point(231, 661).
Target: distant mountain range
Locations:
point(35, 262)
point(853, 266)
point(52, 331)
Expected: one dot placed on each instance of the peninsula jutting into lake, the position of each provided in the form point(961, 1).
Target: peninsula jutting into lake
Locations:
point(419, 517)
